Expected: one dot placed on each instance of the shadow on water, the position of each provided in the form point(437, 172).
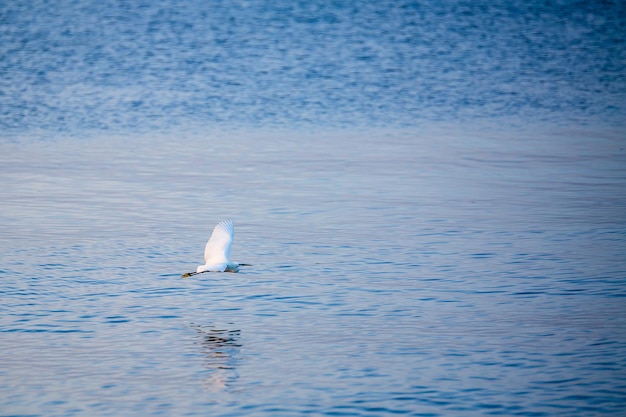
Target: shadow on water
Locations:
point(221, 350)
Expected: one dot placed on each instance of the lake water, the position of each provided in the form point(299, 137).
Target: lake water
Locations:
point(431, 195)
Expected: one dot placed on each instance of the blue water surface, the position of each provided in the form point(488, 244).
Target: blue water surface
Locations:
point(431, 195)
point(72, 66)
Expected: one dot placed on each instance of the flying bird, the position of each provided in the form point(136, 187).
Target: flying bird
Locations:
point(217, 251)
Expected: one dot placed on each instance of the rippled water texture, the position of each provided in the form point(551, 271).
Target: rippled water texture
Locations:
point(161, 64)
point(431, 196)
point(408, 274)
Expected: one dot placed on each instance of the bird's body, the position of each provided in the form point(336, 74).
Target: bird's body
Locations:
point(217, 250)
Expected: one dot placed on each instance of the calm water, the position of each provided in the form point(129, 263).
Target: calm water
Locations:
point(432, 196)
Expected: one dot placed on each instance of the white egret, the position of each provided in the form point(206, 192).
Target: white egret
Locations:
point(217, 251)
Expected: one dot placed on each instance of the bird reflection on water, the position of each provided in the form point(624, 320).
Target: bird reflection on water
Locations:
point(221, 349)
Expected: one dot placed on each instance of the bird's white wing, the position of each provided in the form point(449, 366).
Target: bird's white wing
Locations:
point(218, 247)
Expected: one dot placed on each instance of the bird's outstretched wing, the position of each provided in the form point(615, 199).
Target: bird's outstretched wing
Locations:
point(218, 247)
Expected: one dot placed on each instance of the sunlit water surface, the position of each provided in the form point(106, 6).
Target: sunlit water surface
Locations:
point(392, 274)
point(433, 206)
